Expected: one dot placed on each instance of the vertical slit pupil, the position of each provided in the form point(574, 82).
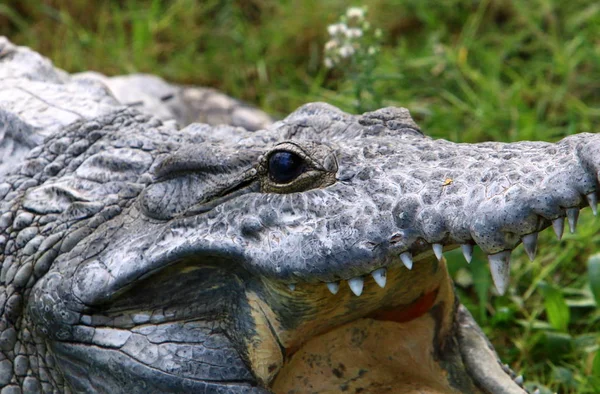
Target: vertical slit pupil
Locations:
point(285, 166)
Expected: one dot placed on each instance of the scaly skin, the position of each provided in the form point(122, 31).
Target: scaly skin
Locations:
point(141, 257)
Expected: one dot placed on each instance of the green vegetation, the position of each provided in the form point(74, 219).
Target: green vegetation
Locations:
point(468, 71)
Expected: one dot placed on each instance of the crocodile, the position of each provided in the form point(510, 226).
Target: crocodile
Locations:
point(143, 253)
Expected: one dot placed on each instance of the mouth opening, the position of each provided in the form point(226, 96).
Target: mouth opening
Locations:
point(334, 342)
point(382, 341)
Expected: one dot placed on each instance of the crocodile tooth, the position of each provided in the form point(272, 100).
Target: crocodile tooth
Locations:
point(380, 276)
point(406, 258)
point(519, 380)
point(292, 286)
point(530, 244)
point(467, 250)
point(537, 391)
point(500, 267)
point(593, 201)
point(438, 250)
point(333, 287)
point(572, 215)
point(559, 226)
point(356, 285)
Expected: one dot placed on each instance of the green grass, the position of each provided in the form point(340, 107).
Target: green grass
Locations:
point(468, 71)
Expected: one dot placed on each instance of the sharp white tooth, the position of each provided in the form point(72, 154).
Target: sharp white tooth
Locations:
point(519, 380)
point(467, 250)
point(572, 215)
point(356, 285)
point(559, 227)
point(438, 250)
point(593, 201)
point(530, 244)
point(292, 286)
point(406, 258)
point(500, 268)
point(333, 287)
point(537, 391)
point(380, 276)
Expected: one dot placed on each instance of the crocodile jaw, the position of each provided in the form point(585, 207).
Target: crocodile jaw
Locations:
point(378, 342)
point(373, 354)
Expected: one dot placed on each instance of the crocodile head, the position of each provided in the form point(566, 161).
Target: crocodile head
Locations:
point(305, 257)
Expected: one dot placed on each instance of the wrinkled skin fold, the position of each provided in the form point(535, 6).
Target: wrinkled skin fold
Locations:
point(141, 254)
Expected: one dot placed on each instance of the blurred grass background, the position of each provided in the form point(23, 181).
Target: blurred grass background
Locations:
point(469, 71)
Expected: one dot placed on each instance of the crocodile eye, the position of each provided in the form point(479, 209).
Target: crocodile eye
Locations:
point(285, 166)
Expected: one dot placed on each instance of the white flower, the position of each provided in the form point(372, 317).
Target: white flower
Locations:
point(354, 33)
point(331, 44)
point(355, 13)
point(372, 50)
point(329, 62)
point(338, 28)
point(346, 51)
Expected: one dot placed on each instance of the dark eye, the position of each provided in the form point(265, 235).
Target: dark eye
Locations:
point(284, 166)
